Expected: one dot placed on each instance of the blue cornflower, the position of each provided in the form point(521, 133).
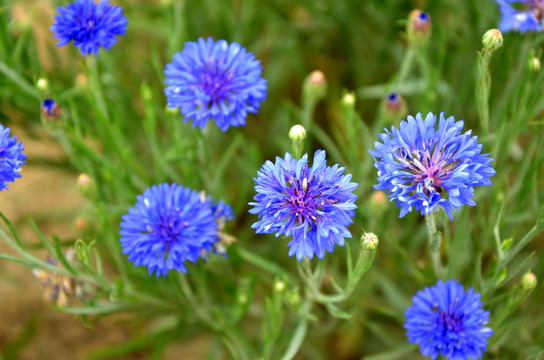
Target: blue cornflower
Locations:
point(215, 80)
point(423, 167)
point(11, 157)
point(89, 25)
point(313, 204)
point(527, 19)
point(445, 320)
point(50, 109)
point(168, 225)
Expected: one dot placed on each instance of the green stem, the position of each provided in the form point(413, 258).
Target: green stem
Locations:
point(434, 245)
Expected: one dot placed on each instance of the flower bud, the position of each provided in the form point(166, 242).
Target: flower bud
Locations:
point(348, 99)
point(315, 86)
point(419, 27)
point(85, 185)
point(293, 297)
point(42, 84)
point(528, 281)
point(51, 114)
point(492, 40)
point(297, 133)
point(534, 64)
point(378, 202)
point(369, 241)
point(395, 108)
point(279, 286)
point(82, 81)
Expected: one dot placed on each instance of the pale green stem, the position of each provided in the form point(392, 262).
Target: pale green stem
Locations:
point(434, 245)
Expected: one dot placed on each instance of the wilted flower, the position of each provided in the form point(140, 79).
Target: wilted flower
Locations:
point(445, 320)
point(423, 167)
point(168, 225)
point(11, 157)
point(215, 80)
point(529, 18)
point(59, 288)
point(312, 204)
point(89, 25)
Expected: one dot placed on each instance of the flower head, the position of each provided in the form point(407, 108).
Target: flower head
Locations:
point(11, 157)
point(446, 320)
point(214, 80)
point(168, 225)
point(527, 19)
point(89, 25)
point(423, 167)
point(312, 204)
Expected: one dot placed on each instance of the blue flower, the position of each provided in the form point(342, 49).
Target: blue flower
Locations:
point(11, 157)
point(214, 80)
point(423, 167)
point(50, 109)
point(89, 25)
point(168, 225)
point(528, 19)
point(445, 320)
point(312, 204)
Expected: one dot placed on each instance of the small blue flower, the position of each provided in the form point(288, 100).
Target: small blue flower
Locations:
point(50, 109)
point(215, 80)
point(89, 25)
point(445, 320)
point(423, 167)
point(527, 19)
point(168, 225)
point(312, 204)
point(11, 157)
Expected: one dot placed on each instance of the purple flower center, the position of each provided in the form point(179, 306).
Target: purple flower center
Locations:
point(430, 168)
point(304, 201)
point(216, 82)
point(450, 322)
point(168, 228)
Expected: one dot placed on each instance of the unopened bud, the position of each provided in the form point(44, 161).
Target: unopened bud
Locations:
point(293, 297)
point(42, 84)
point(81, 80)
point(506, 244)
point(369, 241)
point(528, 281)
point(85, 185)
point(315, 86)
point(348, 99)
point(378, 202)
point(279, 286)
point(297, 133)
point(534, 64)
point(492, 39)
point(419, 27)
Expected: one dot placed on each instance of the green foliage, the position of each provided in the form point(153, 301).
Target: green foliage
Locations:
point(116, 129)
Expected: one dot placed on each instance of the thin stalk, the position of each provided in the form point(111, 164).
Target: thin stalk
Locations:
point(434, 245)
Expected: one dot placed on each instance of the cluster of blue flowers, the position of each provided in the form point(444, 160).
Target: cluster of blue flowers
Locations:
point(420, 166)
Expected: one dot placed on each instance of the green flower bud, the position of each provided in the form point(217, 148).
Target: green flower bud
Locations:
point(528, 281)
point(369, 241)
point(315, 86)
point(492, 39)
point(42, 84)
point(297, 133)
point(534, 64)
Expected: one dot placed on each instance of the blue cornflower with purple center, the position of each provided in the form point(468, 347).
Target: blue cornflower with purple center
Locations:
point(89, 25)
point(445, 320)
point(169, 224)
point(422, 167)
point(527, 18)
point(11, 157)
point(313, 204)
point(215, 80)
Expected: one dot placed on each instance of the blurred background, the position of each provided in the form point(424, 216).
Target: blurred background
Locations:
point(359, 46)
